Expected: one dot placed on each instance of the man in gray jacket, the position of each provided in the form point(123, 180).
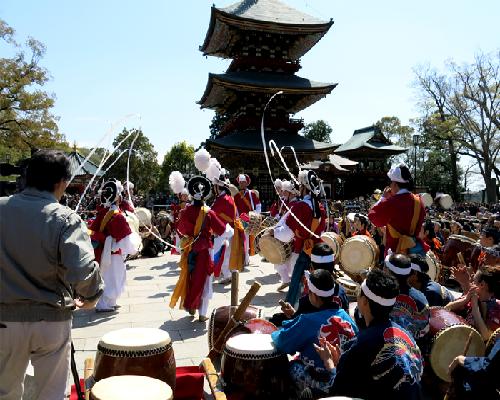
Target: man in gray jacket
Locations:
point(47, 269)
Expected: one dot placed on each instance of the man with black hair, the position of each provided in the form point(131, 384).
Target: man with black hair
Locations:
point(383, 361)
point(322, 257)
point(47, 269)
point(400, 211)
point(361, 225)
point(300, 334)
point(436, 294)
point(411, 309)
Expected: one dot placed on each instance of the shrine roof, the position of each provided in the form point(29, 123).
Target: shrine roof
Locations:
point(220, 86)
point(333, 159)
point(369, 138)
point(251, 141)
point(272, 16)
point(89, 168)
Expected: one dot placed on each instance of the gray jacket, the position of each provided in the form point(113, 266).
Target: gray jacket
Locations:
point(46, 258)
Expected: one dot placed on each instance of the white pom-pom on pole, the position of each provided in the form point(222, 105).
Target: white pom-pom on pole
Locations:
point(202, 160)
point(176, 181)
point(214, 170)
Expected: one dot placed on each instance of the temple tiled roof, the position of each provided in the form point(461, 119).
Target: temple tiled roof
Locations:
point(220, 87)
point(369, 138)
point(251, 141)
point(272, 16)
point(89, 168)
point(333, 159)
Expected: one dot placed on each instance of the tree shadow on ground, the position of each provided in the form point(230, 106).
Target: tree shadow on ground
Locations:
point(143, 278)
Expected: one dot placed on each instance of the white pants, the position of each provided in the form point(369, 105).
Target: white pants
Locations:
point(114, 277)
point(47, 345)
point(206, 296)
point(285, 270)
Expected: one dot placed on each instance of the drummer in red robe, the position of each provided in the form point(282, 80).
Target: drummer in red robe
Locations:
point(176, 208)
point(113, 240)
point(196, 224)
point(228, 255)
point(276, 208)
point(126, 203)
point(400, 211)
point(247, 200)
point(303, 224)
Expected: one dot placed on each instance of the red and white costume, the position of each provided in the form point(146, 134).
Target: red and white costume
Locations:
point(114, 240)
point(398, 213)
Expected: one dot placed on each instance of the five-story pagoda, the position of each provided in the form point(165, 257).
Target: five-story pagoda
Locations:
point(265, 40)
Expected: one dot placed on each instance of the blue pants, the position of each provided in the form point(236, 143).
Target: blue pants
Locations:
point(303, 263)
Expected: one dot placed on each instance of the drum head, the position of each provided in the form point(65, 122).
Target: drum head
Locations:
point(333, 240)
point(433, 264)
point(135, 339)
point(272, 249)
point(491, 341)
point(426, 199)
point(446, 201)
point(251, 344)
point(463, 238)
point(357, 254)
point(144, 216)
point(258, 325)
point(131, 387)
point(449, 343)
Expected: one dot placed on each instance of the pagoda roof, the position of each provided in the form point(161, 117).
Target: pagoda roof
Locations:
point(251, 141)
point(270, 16)
point(220, 87)
point(76, 160)
point(370, 138)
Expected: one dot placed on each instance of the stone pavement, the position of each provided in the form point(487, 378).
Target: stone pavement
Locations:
point(150, 282)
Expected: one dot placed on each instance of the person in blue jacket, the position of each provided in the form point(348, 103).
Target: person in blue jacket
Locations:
point(299, 335)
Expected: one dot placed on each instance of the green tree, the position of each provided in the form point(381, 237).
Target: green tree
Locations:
point(144, 168)
point(26, 122)
point(319, 131)
point(179, 158)
point(218, 122)
point(98, 155)
point(398, 134)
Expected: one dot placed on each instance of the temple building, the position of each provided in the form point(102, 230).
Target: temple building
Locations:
point(265, 40)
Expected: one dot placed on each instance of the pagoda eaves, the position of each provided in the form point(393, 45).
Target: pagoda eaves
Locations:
point(225, 39)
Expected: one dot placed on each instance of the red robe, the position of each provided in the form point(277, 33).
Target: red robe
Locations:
point(126, 205)
point(397, 211)
point(278, 208)
point(201, 247)
point(225, 208)
point(176, 210)
point(303, 240)
point(117, 227)
point(243, 202)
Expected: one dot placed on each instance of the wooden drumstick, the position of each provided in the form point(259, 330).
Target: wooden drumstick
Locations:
point(238, 314)
point(461, 259)
point(88, 369)
point(235, 280)
point(213, 379)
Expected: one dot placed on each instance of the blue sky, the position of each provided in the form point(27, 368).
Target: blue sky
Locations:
point(112, 58)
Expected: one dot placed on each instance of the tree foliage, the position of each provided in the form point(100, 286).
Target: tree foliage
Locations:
point(218, 122)
point(318, 130)
point(398, 134)
point(467, 102)
point(144, 168)
point(179, 158)
point(26, 121)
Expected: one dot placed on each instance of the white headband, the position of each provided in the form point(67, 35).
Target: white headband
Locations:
point(393, 268)
point(394, 175)
point(315, 290)
point(416, 267)
point(322, 259)
point(377, 299)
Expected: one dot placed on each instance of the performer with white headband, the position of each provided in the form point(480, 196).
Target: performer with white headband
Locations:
point(311, 214)
point(327, 321)
point(289, 198)
point(411, 310)
point(399, 211)
point(384, 357)
point(276, 208)
point(196, 224)
point(436, 294)
point(247, 200)
point(322, 257)
point(113, 240)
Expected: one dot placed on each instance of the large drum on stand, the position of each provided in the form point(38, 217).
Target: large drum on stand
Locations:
point(454, 245)
point(357, 255)
point(254, 223)
point(220, 317)
point(131, 387)
point(136, 351)
point(449, 333)
point(252, 367)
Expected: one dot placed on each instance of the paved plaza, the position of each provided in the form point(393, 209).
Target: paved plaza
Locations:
point(150, 282)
